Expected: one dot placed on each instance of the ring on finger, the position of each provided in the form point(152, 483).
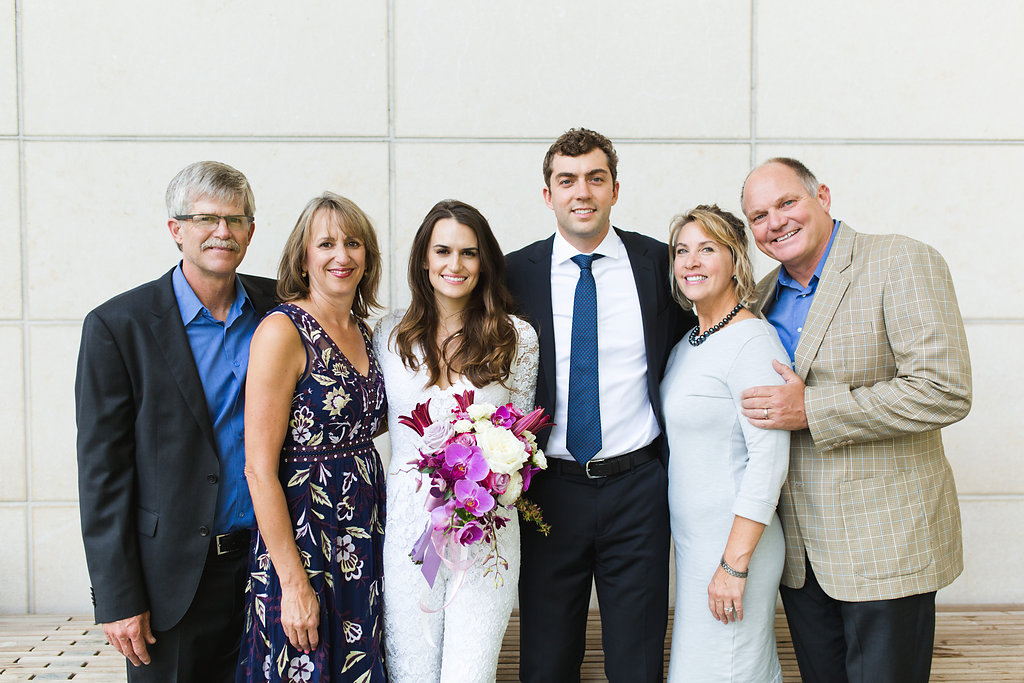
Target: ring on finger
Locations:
point(765, 413)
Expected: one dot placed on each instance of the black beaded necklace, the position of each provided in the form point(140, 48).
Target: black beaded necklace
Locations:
point(697, 341)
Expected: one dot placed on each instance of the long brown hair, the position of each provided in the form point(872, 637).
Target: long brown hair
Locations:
point(486, 345)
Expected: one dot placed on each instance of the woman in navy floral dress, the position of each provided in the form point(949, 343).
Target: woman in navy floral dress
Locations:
point(314, 401)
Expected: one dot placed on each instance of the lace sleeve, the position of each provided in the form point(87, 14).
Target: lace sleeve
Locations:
point(523, 375)
point(382, 331)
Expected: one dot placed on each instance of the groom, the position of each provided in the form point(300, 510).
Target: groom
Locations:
point(600, 302)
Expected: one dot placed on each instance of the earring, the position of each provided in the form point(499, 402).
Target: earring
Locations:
point(304, 275)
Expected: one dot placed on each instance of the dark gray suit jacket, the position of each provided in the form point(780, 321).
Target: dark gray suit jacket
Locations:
point(529, 279)
point(147, 459)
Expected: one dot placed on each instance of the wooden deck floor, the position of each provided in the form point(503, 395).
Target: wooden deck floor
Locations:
point(970, 645)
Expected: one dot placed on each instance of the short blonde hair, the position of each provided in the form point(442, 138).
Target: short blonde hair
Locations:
point(729, 231)
point(293, 283)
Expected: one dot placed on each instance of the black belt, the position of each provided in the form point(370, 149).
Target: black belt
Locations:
point(605, 467)
point(233, 542)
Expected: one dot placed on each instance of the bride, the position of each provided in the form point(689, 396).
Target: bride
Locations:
point(458, 334)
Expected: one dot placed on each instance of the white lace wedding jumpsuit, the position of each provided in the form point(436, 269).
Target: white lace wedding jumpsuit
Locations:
point(467, 634)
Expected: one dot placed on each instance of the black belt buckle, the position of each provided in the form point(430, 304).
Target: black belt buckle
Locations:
point(586, 470)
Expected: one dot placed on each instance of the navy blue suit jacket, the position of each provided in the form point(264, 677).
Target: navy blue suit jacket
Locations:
point(529, 279)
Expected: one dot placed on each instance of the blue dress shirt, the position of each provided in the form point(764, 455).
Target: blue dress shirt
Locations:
point(221, 353)
point(788, 312)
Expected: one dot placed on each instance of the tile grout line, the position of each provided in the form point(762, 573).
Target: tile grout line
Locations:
point(392, 175)
point(753, 83)
point(504, 140)
point(26, 390)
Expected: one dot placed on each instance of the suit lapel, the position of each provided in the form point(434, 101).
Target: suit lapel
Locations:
point(260, 303)
point(539, 304)
point(835, 280)
point(170, 336)
point(646, 289)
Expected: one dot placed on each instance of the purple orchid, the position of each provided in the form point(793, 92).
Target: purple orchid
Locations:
point(528, 471)
point(441, 516)
point(503, 417)
point(473, 498)
point(464, 462)
point(470, 533)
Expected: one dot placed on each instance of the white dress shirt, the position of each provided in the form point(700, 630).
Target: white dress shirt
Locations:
point(627, 418)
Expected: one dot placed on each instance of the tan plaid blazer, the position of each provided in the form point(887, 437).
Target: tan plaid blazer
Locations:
point(870, 496)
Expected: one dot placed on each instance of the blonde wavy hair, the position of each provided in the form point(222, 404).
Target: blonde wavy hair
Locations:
point(729, 231)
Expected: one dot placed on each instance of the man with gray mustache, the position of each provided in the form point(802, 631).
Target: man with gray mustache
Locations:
point(164, 503)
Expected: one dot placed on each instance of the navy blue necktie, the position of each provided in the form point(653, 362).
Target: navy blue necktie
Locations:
point(583, 424)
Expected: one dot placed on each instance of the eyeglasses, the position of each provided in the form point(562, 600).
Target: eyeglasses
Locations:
point(212, 220)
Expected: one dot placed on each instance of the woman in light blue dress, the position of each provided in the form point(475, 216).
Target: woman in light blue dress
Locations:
point(724, 473)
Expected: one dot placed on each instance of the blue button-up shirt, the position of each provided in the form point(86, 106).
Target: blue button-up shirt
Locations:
point(793, 301)
point(221, 352)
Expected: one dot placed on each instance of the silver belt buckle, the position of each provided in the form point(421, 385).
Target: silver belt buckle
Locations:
point(586, 470)
point(218, 539)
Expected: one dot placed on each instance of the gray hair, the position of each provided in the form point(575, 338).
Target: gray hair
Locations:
point(803, 174)
point(208, 179)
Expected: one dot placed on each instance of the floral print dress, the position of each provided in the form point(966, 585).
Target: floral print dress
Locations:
point(333, 481)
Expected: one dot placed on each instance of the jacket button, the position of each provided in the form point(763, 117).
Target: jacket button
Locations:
point(204, 531)
point(212, 478)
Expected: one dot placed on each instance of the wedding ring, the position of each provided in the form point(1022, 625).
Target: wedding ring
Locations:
point(728, 610)
point(765, 413)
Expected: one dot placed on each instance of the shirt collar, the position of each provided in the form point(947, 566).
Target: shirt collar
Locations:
point(190, 306)
point(610, 247)
point(786, 280)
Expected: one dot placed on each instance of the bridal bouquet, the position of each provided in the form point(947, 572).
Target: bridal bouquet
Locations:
point(478, 461)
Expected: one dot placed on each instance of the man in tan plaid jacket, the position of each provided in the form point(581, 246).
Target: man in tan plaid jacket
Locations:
point(869, 509)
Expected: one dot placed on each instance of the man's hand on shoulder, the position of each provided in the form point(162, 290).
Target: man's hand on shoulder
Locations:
point(776, 407)
point(130, 637)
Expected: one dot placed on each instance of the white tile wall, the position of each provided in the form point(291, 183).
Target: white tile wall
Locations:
point(53, 357)
point(112, 220)
point(191, 68)
point(960, 199)
point(909, 113)
point(58, 561)
point(531, 68)
point(984, 449)
point(13, 561)
point(877, 69)
point(10, 232)
point(12, 415)
point(8, 71)
point(990, 540)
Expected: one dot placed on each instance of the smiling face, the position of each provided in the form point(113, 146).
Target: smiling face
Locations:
point(335, 261)
point(211, 253)
point(789, 224)
point(453, 263)
point(581, 192)
point(703, 269)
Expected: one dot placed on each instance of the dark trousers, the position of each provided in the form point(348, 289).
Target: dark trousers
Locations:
point(203, 646)
point(878, 641)
point(615, 532)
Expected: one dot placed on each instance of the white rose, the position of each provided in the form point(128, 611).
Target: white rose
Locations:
point(462, 426)
point(514, 490)
point(478, 411)
point(540, 460)
point(504, 453)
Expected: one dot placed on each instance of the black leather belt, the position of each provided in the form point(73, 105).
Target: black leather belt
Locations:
point(225, 544)
point(605, 467)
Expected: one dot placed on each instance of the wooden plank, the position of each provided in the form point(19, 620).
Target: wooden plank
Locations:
point(972, 644)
